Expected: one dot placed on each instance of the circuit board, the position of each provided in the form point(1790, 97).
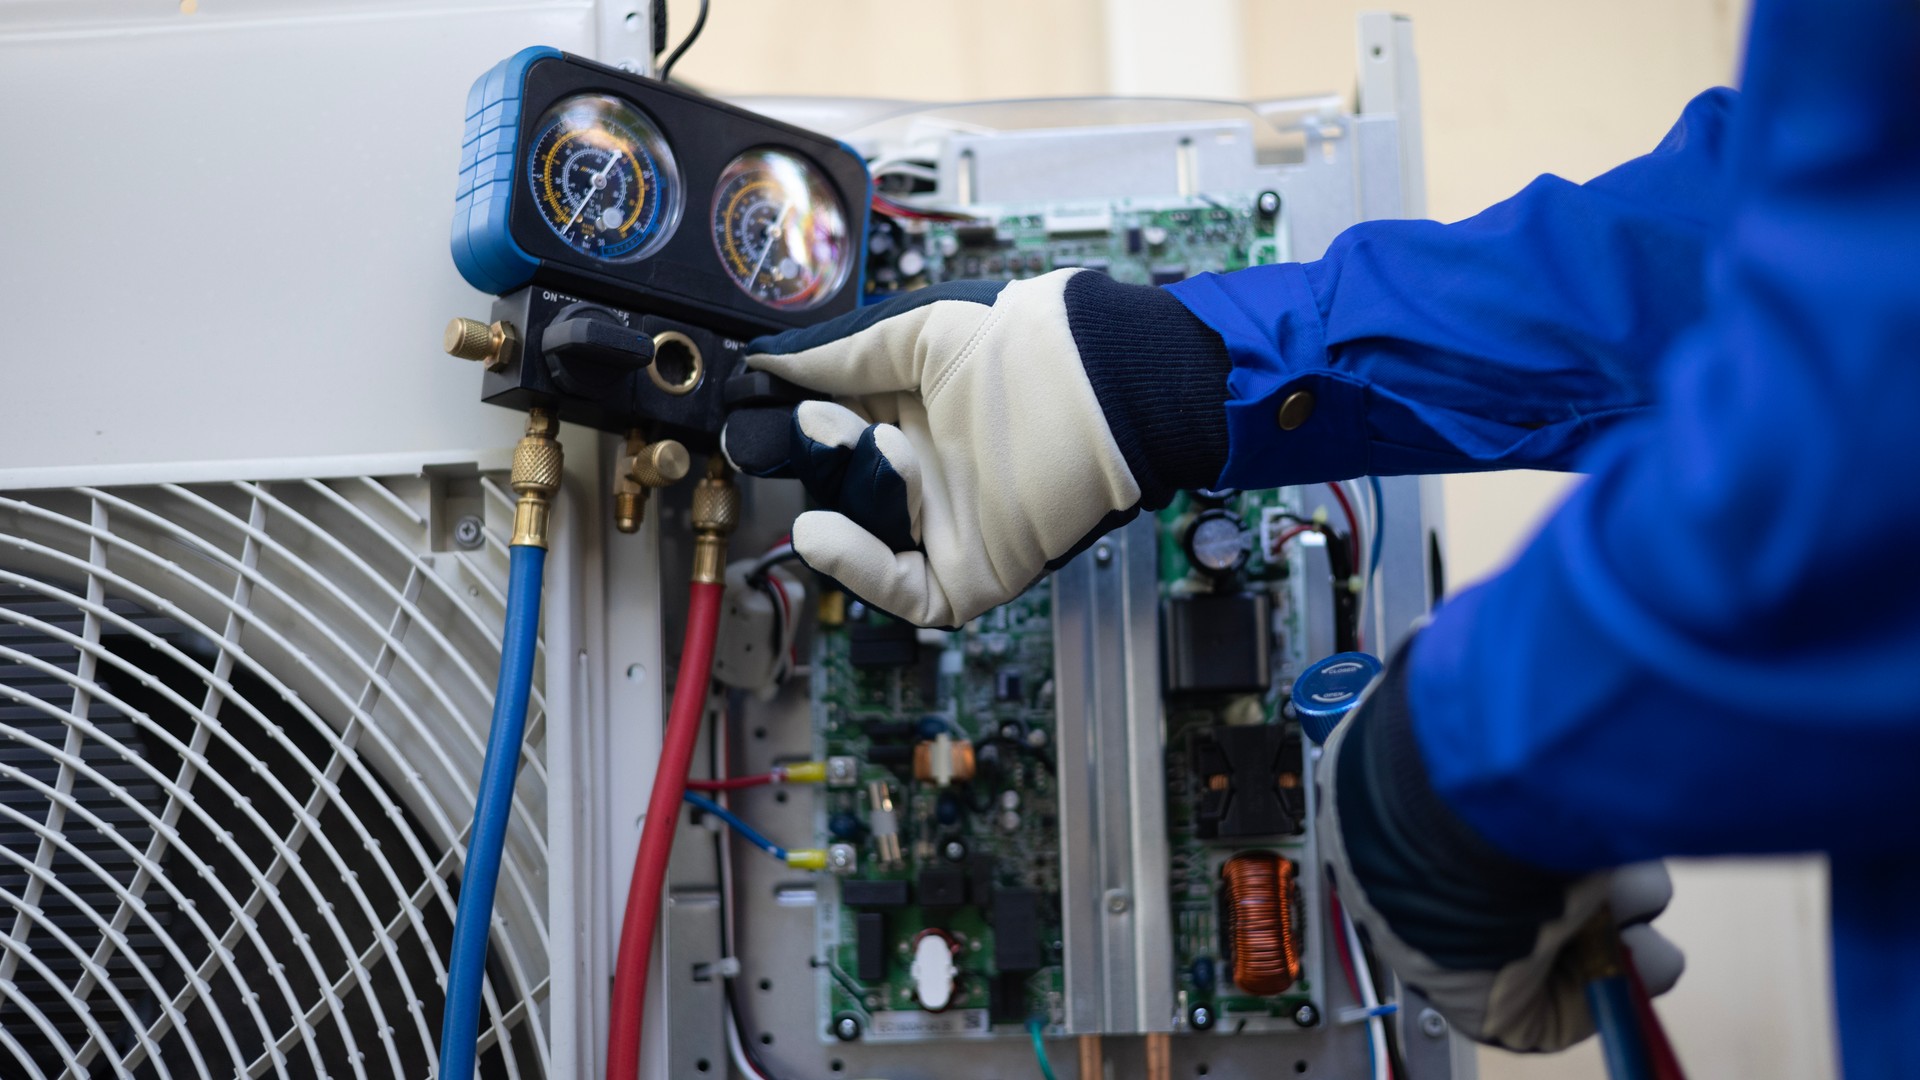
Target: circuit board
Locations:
point(1226, 725)
point(973, 862)
point(1137, 243)
point(966, 852)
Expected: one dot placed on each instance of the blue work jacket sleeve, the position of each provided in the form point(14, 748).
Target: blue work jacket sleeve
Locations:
point(1714, 645)
point(1507, 340)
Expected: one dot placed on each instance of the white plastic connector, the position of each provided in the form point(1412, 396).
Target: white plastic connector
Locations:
point(745, 655)
point(943, 759)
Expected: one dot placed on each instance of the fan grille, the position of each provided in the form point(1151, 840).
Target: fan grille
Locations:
point(239, 726)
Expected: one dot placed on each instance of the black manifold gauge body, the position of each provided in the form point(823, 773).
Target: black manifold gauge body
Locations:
point(641, 194)
point(638, 234)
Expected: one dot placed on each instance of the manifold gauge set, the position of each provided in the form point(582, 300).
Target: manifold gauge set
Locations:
point(637, 233)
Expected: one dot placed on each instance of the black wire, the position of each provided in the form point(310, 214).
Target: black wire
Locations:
point(758, 571)
point(699, 24)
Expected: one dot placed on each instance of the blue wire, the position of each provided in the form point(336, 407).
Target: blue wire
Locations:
point(467, 963)
point(1040, 1048)
point(742, 829)
point(1621, 1040)
point(1379, 525)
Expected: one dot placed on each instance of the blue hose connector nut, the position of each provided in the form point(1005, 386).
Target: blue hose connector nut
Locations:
point(1326, 691)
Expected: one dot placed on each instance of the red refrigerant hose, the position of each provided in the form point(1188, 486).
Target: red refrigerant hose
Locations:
point(656, 836)
point(715, 512)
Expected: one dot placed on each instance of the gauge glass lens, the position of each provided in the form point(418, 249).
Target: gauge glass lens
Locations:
point(603, 178)
point(780, 230)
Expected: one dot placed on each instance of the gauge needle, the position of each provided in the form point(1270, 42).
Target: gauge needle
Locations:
point(773, 233)
point(594, 185)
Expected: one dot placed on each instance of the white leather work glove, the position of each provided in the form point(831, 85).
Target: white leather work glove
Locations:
point(1487, 939)
point(981, 433)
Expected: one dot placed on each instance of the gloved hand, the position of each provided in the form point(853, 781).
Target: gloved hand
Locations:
point(982, 433)
point(1487, 939)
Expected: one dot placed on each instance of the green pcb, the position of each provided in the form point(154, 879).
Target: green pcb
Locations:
point(1202, 965)
point(1137, 243)
point(970, 846)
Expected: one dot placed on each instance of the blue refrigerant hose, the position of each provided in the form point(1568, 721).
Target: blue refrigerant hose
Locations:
point(1622, 1042)
point(467, 966)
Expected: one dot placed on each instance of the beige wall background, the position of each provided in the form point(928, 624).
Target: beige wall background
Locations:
point(1511, 89)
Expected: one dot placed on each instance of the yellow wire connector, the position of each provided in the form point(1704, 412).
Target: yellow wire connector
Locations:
point(807, 858)
point(803, 772)
point(536, 478)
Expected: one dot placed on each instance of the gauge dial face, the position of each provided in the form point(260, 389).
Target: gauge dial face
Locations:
point(603, 179)
point(780, 230)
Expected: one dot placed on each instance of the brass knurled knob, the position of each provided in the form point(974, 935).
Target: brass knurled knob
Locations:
point(659, 464)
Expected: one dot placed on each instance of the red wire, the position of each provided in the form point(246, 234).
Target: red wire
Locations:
point(1353, 523)
point(786, 616)
point(1287, 534)
point(1661, 1058)
point(1346, 958)
point(734, 783)
point(656, 837)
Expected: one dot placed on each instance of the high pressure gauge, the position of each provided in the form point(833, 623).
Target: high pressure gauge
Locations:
point(603, 179)
point(780, 231)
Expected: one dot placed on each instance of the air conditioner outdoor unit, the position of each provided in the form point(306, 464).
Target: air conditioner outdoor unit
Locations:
point(253, 558)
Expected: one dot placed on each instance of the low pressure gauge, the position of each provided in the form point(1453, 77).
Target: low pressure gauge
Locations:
point(603, 179)
point(780, 230)
point(1217, 543)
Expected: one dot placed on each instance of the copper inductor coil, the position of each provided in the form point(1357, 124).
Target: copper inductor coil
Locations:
point(1260, 899)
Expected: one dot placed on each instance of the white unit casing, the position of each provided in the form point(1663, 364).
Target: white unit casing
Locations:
point(252, 555)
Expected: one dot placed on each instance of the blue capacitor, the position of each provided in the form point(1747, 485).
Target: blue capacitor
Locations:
point(1202, 974)
point(1324, 692)
point(845, 826)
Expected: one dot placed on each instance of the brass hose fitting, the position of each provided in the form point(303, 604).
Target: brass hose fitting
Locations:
point(643, 467)
point(716, 510)
point(494, 345)
point(535, 478)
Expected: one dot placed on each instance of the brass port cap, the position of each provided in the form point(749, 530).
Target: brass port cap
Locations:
point(659, 464)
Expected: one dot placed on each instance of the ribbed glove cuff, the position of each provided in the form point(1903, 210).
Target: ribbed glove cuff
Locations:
point(1442, 888)
point(1161, 377)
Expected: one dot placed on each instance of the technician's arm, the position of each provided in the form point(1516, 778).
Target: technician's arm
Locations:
point(1506, 340)
point(1714, 646)
point(982, 433)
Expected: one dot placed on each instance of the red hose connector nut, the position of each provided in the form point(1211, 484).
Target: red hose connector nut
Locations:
point(716, 511)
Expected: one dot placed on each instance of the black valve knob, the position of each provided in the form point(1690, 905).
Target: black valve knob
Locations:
point(592, 352)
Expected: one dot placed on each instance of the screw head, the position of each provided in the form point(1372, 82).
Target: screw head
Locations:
point(1269, 203)
point(1118, 902)
point(846, 1028)
point(954, 850)
point(1201, 1018)
point(1432, 1024)
point(1103, 553)
point(468, 533)
point(1306, 1016)
point(842, 858)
